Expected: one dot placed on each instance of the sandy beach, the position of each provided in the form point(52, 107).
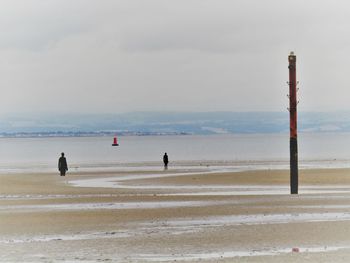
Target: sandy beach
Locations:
point(175, 215)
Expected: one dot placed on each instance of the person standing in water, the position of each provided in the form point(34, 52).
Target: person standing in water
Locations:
point(62, 165)
point(165, 161)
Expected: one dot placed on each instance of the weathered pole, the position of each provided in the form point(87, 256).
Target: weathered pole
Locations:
point(293, 124)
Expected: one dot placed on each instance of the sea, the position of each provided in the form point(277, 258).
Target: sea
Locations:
point(253, 151)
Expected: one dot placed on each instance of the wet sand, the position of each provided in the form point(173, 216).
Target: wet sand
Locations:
point(175, 215)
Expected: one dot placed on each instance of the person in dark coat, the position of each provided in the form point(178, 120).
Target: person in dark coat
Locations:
point(165, 161)
point(62, 165)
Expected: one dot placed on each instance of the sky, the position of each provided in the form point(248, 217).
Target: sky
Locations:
point(115, 56)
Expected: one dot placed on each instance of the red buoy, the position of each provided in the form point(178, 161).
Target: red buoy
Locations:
point(115, 143)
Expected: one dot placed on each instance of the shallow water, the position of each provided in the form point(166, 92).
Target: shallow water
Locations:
point(257, 151)
point(126, 182)
point(103, 206)
point(233, 254)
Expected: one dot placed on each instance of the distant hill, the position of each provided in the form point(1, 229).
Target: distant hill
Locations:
point(175, 123)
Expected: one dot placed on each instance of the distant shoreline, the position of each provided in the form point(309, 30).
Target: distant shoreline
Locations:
point(169, 123)
point(85, 134)
point(71, 134)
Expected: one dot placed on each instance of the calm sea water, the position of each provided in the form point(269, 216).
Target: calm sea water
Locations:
point(43, 153)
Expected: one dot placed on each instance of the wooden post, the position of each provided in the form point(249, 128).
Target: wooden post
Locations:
point(293, 124)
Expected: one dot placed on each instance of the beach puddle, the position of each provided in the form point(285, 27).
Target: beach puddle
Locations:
point(126, 182)
point(109, 205)
point(232, 254)
point(185, 226)
point(199, 224)
point(67, 237)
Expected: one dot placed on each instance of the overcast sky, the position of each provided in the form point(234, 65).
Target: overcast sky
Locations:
point(113, 56)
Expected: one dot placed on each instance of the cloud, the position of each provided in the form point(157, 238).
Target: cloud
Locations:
point(119, 55)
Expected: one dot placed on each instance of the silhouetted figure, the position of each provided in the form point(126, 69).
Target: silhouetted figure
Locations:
point(165, 161)
point(62, 165)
